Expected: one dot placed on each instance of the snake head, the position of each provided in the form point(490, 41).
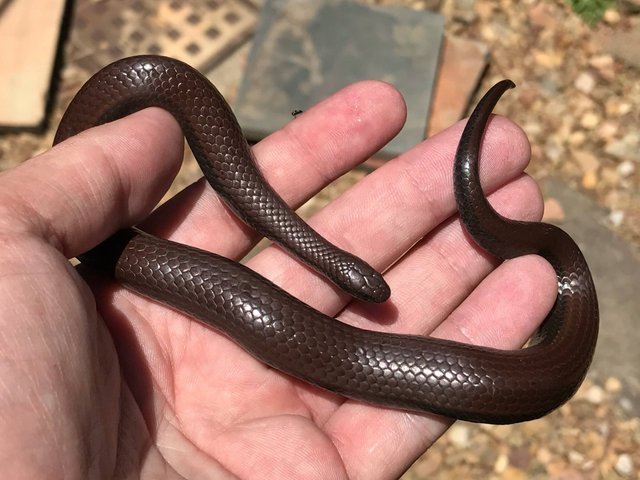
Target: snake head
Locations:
point(367, 284)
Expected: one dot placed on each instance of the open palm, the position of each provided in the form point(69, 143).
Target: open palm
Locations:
point(98, 382)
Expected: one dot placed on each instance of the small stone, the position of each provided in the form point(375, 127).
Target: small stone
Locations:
point(595, 394)
point(501, 463)
point(600, 61)
point(585, 82)
point(616, 217)
point(543, 455)
point(615, 107)
point(428, 464)
point(616, 149)
point(548, 59)
point(553, 150)
point(632, 139)
point(488, 33)
point(528, 96)
point(549, 85)
point(590, 120)
point(464, 11)
point(503, 431)
point(485, 10)
point(624, 108)
point(520, 457)
point(576, 458)
point(624, 465)
point(459, 435)
point(553, 211)
point(626, 404)
point(587, 161)
point(605, 66)
point(607, 130)
point(613, 385)
point(533, 128)
point(609, 176)
point(626, 168)
point(577, 138)
point(540, 16)
point(511, 473)
point(611, 16)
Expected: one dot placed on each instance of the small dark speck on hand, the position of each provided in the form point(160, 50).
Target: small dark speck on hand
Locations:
point(295, 113)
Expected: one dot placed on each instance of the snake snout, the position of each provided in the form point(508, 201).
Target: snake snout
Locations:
point(367, 284)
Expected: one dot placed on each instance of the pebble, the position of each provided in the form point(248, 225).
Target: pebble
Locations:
point(544, 455)
point(585, 82)
point(624, 465)
point(548, 59)
point(612, 385)
point(577, 138)
point(587, 161)
point(626, 404)
point(617, 149)
point(626, 168)
point(615, 107)
point(520, 457)
point(609, 176)
point(459, 435)
point(428, 464)
point(540, 16)
point(616, 217)
point(501, 463)
point(553, 211)
point(511, 473)
point(611, 16)
point(553, 150)
point(464, 11)
point(576, 458)
point(607, 130)
point(595, 394)
point(604, 64)
point(590, 120)
point(590, 180)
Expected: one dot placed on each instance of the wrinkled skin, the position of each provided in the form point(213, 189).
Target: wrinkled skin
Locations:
point(98, 382)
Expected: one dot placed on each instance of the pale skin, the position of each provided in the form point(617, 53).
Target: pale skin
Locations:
point(98, 382)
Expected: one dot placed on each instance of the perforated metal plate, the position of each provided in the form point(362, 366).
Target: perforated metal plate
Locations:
point(199, 32)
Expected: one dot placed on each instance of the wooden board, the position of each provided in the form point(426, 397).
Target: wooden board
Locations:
point(29, 40)
point(463, 63)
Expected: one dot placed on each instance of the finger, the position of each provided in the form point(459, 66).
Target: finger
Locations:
point(435, 277)
point(501, 312)
point(368, 436)
point(80, 191)
point(442, 270)
point(297, 161)
point(386, 213)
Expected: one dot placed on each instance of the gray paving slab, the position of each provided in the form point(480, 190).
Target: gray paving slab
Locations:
point(305, 50)
point(615, 266)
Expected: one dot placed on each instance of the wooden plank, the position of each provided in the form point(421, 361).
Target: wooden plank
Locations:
point(463, 63)
point(29, 40)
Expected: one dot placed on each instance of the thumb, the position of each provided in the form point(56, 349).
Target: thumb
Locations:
point(76, 194)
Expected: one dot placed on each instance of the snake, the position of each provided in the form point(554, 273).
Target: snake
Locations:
point(407, 372)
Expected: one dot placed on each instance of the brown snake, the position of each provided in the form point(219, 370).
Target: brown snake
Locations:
point(401, 371)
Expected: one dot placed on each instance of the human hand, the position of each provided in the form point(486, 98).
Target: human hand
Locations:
point(141, 390)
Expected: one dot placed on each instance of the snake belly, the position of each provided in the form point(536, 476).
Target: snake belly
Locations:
point(409, 372)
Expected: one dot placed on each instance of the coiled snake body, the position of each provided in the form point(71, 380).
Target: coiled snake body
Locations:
point(400, 371)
